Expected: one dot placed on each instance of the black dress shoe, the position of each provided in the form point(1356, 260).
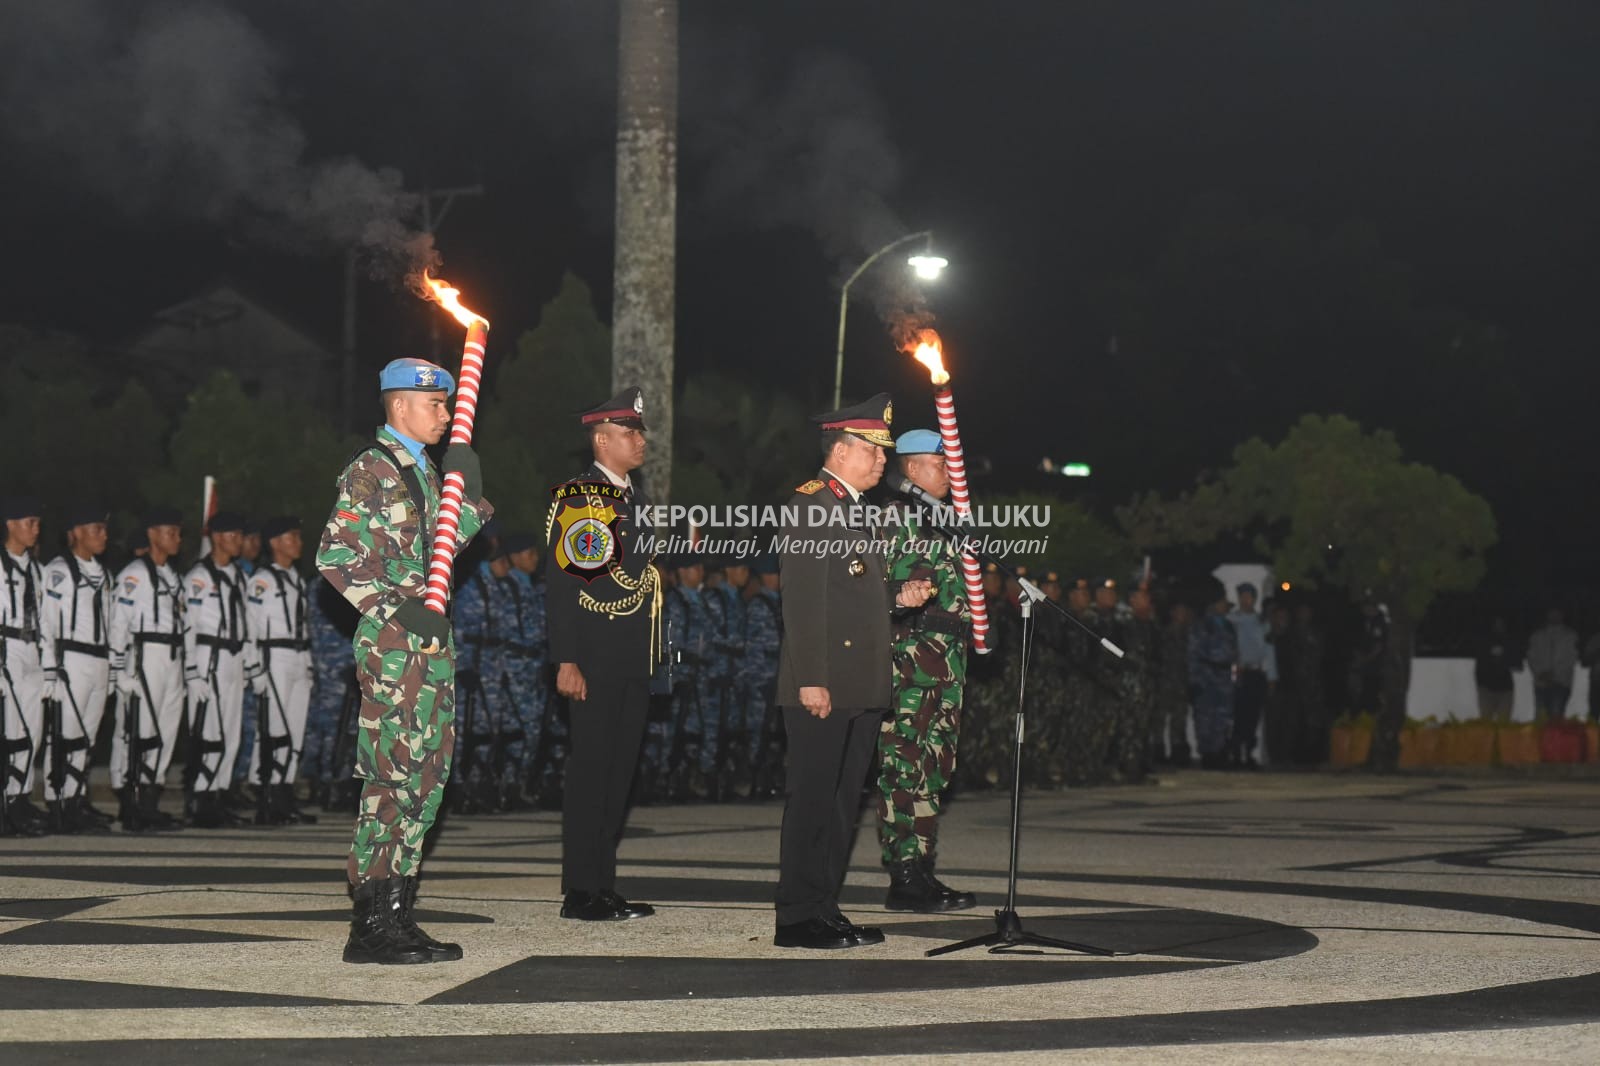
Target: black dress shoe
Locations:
point(816, 933)
point(861, 934)
point(622, 910)
point(602, 907)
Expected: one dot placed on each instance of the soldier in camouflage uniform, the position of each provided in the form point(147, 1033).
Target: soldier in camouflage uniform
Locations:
point(1141, 639)
point(1213, 654)
point(374, 551)
point(1086, 726)
point(1043, 764)
point(986, 713)
point(917, 741)
point(1169, 731)
point(328, 755)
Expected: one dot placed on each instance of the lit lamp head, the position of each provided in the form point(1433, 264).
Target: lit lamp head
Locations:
point(928, 266)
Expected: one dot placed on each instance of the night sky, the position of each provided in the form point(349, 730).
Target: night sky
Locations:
point(1386, 209)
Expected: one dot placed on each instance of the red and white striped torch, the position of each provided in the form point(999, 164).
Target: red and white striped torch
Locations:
point(930, 353)
point(467, 385)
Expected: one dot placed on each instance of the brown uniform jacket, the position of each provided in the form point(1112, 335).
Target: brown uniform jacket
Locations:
point(836, 603)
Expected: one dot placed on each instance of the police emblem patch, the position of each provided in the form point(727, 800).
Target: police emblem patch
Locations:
point(584, 534)
point(638, 405)
point(57, 578)
point(198, 584)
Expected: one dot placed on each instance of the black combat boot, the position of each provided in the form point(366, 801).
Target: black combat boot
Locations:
point(375, 931)
point(208, 811)
point(92, 814)
point(24, 819)
point(909, 889)
point(438, 951)
point(289, 805)
point(949, 898)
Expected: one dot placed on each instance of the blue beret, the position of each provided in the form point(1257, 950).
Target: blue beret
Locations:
point(415, 375)
point(919, 442)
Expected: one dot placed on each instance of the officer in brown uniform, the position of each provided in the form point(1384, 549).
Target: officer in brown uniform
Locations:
point(833, 670)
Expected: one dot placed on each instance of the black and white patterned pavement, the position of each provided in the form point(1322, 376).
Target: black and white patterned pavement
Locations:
point(1269, 918)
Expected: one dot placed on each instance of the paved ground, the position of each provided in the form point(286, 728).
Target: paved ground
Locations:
point(1256, 919)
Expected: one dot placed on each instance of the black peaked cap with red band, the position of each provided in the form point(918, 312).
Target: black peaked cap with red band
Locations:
point(869, 420)
point(626, 408)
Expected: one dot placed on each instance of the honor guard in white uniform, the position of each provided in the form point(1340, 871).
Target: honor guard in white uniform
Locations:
point(219, 660)
point(76, 645)
point(277, 609)
point(147, 671)
point(21, 676)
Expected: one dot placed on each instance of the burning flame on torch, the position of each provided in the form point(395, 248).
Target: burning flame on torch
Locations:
point(930, 353)
point(449, 298)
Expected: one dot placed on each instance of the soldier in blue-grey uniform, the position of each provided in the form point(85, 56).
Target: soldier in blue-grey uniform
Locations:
point(763, 636)
point(328, 756)
point(485, 618)
point(1213, 653)
point(694, 624)
point(525, 658)
point(728, 697)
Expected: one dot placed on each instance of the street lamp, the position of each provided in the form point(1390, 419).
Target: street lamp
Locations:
point(927, 267)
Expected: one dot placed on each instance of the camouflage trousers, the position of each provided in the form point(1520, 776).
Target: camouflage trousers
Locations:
point(403, 751)
point(916, 760)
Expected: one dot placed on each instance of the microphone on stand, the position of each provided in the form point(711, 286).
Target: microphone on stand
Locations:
point(906, 487)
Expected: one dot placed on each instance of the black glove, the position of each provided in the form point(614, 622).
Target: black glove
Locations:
point(430, 627)
point(461, 459)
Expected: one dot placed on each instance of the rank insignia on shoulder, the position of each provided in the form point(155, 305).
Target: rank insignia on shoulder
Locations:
point(837, 489)
point(809, 487)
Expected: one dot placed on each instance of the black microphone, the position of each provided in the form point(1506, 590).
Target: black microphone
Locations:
point(906, 487)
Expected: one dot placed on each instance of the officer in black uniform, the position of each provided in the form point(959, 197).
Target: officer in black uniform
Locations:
point(833, 671)
point(604, 605)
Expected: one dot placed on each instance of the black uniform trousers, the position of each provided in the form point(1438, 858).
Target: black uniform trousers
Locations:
point(828, 759)
point(604, 733)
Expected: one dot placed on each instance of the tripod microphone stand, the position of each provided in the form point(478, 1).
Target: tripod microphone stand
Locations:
point(1009, 936)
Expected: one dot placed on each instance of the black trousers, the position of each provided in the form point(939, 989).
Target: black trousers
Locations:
point(828, 759)
point(1249, 698)
point(605, 732)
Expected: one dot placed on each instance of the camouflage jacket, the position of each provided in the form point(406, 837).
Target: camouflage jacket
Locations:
point(918, 553)
point(376, 544)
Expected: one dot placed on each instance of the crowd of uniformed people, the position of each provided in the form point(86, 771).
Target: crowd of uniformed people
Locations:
point(237, 653)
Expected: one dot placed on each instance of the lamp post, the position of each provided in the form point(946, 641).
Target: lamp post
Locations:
point(927, 267)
